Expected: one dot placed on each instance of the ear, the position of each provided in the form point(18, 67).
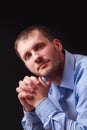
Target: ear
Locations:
point(57, 44)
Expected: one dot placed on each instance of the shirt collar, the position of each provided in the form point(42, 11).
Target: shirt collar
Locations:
point(68, 73)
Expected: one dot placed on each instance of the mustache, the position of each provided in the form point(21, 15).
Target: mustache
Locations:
point(42, 63)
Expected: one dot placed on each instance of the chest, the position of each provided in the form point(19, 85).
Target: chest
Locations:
point(67, 100)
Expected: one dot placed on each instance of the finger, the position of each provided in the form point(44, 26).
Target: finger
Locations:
point(45, 83)
point(34, 79)
point(26, 80)
point(26, 105)
point(25, 95)
point(26, 87)
point(20, 82)
point(18, 90)
point(31, 81)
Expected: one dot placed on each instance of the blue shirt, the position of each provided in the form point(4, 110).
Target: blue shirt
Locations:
point(66, 106)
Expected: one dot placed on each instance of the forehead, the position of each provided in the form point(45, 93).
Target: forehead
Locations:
point(27, 43)
point(32, 36)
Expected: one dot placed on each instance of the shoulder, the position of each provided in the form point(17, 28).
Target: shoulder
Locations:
point(80, 73)
point(80, 59)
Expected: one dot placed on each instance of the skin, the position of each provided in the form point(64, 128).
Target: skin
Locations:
point(43, 58)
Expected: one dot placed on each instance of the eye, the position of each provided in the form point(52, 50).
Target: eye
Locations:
point(40, 46)
point(27, 56)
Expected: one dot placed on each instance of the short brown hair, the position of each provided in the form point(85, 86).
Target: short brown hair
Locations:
point(25, 33)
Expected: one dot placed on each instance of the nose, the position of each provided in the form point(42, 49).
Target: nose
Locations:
point(37, 57)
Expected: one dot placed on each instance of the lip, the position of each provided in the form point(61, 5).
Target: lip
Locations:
point(43, 65)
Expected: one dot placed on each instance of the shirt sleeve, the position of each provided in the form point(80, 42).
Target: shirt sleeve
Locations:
point(55, 119)
point(30, 121)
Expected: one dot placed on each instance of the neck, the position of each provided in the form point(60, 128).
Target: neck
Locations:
point(56, 76)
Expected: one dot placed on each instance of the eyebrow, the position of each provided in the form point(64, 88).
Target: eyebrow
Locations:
point(27, 51)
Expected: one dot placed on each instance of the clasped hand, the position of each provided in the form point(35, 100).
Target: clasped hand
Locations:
point(31, 91)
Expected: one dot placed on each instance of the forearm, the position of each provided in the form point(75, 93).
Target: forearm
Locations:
point(55, 119)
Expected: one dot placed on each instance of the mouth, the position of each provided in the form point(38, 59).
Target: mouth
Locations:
point(43, 65)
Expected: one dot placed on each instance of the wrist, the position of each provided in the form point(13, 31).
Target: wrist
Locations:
point(38, 103)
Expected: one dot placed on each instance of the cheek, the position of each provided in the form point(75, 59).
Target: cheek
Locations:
point(48, 52)
point(30, 66)
point(52, 54)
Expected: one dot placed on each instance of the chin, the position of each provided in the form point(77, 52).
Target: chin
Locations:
point(45, 74)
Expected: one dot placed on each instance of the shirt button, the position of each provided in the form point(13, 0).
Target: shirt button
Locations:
point(61, 96)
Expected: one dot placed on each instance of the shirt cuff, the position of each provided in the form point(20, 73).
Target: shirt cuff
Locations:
point(45, 109)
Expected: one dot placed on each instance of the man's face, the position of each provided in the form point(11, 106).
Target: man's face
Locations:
point(40, 55)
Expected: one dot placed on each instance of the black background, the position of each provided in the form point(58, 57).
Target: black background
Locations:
point(69, 20)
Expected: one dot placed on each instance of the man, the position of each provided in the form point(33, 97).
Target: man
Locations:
point(56, 98)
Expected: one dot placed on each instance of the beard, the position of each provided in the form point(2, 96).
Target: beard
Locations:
point(50, 71)
point(46, 73)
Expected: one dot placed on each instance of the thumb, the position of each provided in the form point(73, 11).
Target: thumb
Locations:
point(48, 83)
point(45, 81)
